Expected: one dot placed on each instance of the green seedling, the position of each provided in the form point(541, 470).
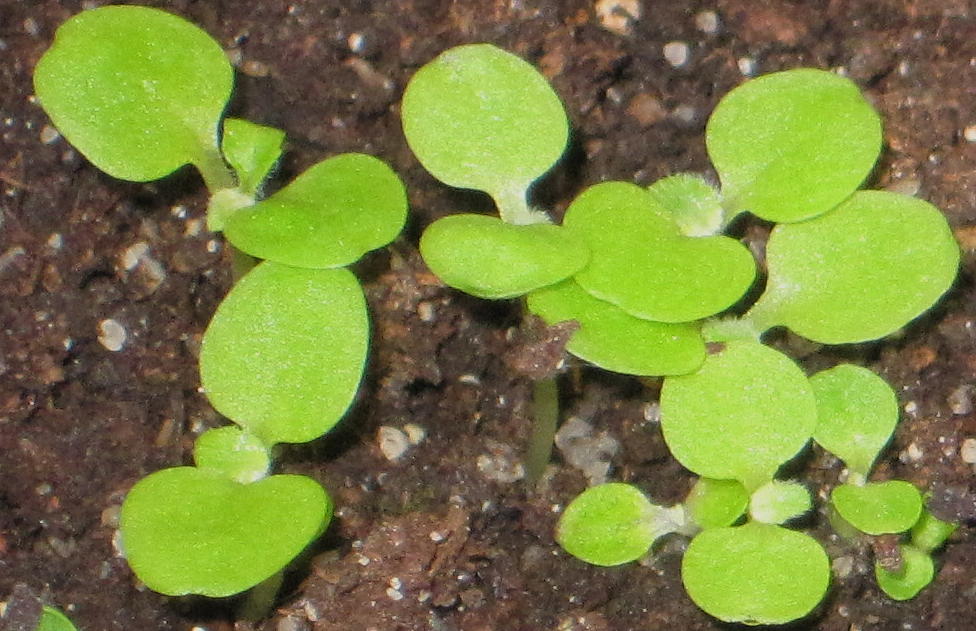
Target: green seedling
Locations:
point(142, 93)
point(54, 620)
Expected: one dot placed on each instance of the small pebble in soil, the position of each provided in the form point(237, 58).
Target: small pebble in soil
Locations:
point(652, 412)
point(969, 133)
point(707, 22)
point(747, 66)
point(256, 69)
point(961, 400)
point(356, 42)
point(415, 433)
point(585, 451)
point(112, 335)
point(49, 135)
point(393, 442)
point(912, 453)
point(842, 566)
point(500, 464)
point(677, 53)
point(618, 16)
point(911, 408)
point(55, 241)
point(967, 451)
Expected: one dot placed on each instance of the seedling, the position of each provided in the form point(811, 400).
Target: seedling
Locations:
point(54, 620)
point(142, 93)
point(654, 273)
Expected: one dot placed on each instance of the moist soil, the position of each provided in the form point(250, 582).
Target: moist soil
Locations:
point(447, 537)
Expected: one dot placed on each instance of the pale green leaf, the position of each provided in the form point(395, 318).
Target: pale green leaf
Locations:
point(54, 620)
point(716, 503)
point(916, 573)
point(138, 91)
point(233, 453)
point(488, 258)
point(856, 413)
point(253, 150)
point(756, 574)
point(747, 410)
point(776, 502)
point(792, 145)
point(859, 272)
point(480, 117)
point(613, 339)
point(878, 508)
point(642, 263)
point(194, 531)
point(609, 524)
point(284, 353)
point(328, 216)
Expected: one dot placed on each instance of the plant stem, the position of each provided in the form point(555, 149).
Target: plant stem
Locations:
point(260, 599)
point(545, 418)
point(216, 174)
point(513, 207)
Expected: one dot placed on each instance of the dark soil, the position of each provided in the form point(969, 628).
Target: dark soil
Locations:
point(443, 539)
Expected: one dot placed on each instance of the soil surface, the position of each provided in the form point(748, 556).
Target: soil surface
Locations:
point(447, 537)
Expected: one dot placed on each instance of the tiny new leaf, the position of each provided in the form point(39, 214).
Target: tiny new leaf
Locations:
point(194, 531)
point(757, 573)
point(776, 502)
point(917, 571)
point(138, 91)
point(856, 413)
point(284, 353)
point(716, 503)
point(792, 145)
point(480, 117)
point(642, 263)
point(486, 257)
point(859, 272)
point(878, 508)
point(253, 150)
point(692, 202)
point(613, 339)
point(233, 453)
point(747, 410)
point(328, 216)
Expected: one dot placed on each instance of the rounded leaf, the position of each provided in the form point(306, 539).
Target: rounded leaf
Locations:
point(138, 91)
point(861, 271)
point(54, 620)
point(486, 257)
point(642, 263)
point(878, 508)
point(856, 413)
point(194, 531)
point(328, 216)
point(613, 339)
point(757, 573)
point(716, 503)
point(916, 573)
point(480, 117)
point(776, 502)
point(253, 150)
point(792, 145)
point(232, 453)
point(930, 532)
point(609, 524)
point(747, 410)
point(284, 353)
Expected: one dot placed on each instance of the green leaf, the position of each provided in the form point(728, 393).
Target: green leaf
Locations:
point(284, 353)
point(757, 573)
point(480, 117)
point(776, 502)
point(747, 410)
point(253, 150)
point(792, 145)
point(611, 524)
point(856, 414)
point(916, 573)
point(54, 620)
point(643, 264)
point(692, 202)
point(328, 216)
point(232, 453)
point(860, 272)
point(613, 339)
point(930, 532)
point(716, 503)
point(138, 91)
point(194, 531)
point(878, 508)
point(488, 258)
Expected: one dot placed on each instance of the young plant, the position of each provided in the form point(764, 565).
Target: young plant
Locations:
point(653, 273)
point(142, 93)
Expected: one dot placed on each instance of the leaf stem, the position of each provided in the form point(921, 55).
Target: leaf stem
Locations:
point(216, 174)
point(545, 418)
point(513, 207)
